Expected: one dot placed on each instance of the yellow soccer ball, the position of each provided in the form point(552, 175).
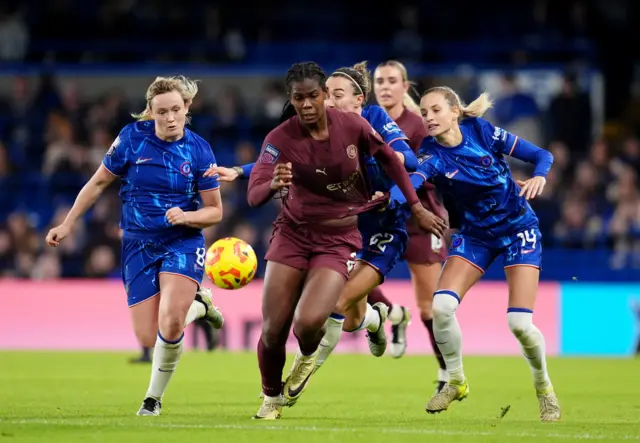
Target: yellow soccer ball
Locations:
point(230, 263)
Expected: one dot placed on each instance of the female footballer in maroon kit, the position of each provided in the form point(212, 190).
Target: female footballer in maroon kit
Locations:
point(425, 253)
point(317, 155)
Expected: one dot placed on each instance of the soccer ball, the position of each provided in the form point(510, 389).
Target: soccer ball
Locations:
point(230, 263)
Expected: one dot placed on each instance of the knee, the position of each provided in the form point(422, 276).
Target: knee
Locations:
point(342, 307)
point(307, 323)
point(445, 304)
point(273, 333)
point(520, 323)
point(171, 324)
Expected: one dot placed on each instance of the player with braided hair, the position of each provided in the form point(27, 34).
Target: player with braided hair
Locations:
point(319, 156)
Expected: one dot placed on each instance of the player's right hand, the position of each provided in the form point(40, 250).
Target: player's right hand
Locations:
point(57, 234)
point(428, 221)
point(224, 174)
point(282, 176)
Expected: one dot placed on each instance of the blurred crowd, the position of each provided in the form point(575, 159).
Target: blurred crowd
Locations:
point(77, 31)
point(51, 141)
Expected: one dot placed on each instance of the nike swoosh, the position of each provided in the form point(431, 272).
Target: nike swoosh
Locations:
point(297, 392)
point(162, 370)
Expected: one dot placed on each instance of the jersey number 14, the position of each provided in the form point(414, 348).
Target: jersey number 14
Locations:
point(528, 238)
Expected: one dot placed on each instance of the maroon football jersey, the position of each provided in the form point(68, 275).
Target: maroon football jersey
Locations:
point(327, 175)
point(412, 126)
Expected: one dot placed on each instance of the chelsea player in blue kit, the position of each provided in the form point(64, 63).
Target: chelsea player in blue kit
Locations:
point(463, 156)
point(162, 165)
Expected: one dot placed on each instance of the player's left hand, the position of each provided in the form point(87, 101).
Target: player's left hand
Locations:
point(428, 221)
point(176, 216)
point(532, 188)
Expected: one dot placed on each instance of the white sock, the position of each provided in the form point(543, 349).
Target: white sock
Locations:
point(165, 359)
point(196, 310)
point(371, 320)
point(520, 322)
point(396, 314)
point(443, 375)
point(331, 338)
point(447, 332)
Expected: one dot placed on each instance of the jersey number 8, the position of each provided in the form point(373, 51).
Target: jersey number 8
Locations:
point(201, 254)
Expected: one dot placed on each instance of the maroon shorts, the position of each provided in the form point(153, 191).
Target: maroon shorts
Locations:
point(309, 246)
point(425, 249)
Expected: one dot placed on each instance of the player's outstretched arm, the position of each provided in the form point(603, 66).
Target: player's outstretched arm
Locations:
point(405, 154)
point(87, 196)
point(394, 168)
point(230, 174)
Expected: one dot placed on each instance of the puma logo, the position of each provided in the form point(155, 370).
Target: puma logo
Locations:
point(322, 171)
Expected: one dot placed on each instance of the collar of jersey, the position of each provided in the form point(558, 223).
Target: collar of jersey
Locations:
point(464, 137)
point(166, 143)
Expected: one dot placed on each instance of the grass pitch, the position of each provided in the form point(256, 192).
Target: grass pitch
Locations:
point(93, 397)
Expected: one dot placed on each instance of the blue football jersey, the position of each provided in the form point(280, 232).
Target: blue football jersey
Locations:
point(158, 175)
point(390, 133)
point(476, 178)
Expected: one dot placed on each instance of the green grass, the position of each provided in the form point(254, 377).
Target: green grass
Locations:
point(93, 397)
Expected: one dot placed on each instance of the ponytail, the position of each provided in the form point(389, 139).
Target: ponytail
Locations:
point(144, 115)
point(478, 107)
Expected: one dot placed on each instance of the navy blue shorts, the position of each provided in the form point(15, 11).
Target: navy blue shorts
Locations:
point(384, 241)
point(144, 260)
point(520, 249)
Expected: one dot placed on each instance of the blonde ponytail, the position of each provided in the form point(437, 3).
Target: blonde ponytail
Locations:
point(476, 108)
point(144, 115)
point(161, 85)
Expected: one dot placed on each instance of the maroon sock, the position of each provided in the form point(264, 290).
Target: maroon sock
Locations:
point(271, 361)
point(376, 296)
point(428, 323)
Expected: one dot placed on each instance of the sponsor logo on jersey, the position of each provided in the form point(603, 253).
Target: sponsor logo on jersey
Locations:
point(391, 127)
point(345, 185)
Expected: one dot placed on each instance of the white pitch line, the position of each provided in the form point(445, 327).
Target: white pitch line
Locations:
point(258, 427)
